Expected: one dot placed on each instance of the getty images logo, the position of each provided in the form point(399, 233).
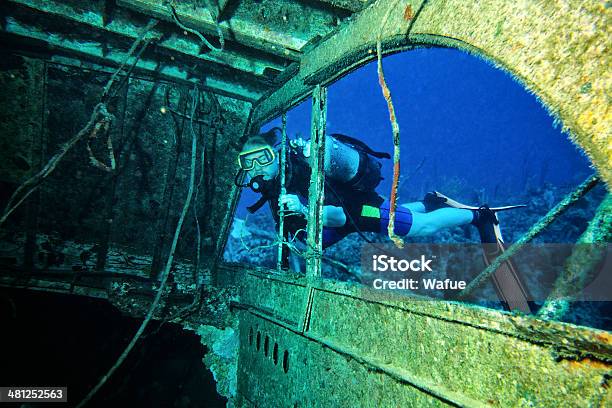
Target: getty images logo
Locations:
point(382, 263)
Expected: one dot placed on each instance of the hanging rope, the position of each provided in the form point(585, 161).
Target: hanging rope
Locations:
point(412, 17)
point(193, 306)
point(535, 230)
point(106, 92)
point(197, 191)
point(283, 192)
point(399, 242)
point(164, 279)
point(217, 25)
point(100, 117)
point(102, 125)
point(197, 33)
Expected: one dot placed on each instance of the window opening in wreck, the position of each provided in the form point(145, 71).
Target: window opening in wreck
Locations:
point(253, 237)
point(250, 336)
point(258, 344)
point(471, 132)
point(266, 345)
point(275, 354)
point(286, 361)
point(468, 131)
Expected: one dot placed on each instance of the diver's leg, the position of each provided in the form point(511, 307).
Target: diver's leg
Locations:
point(417, 223)
point(430, 202)
point(403, 219)
point(331, 236)
point(416, 206)
point(294, 262)
point(424, 224)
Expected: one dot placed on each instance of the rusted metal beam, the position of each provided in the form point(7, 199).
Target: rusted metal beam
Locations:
point(580, 268)
point(94, 50)
point(283, 192)
point(314, 227)
point(351, 5)
point(243, 31)
point(317, 180)
point(121, 24)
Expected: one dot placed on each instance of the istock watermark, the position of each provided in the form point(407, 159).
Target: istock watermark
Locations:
point(382, 263)
point(581, 272)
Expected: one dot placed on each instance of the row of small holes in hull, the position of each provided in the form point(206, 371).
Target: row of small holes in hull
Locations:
point(266, 348)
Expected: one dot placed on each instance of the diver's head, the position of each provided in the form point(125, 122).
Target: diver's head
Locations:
point(258, 157)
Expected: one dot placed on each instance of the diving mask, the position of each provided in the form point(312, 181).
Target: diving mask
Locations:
point(264, 156)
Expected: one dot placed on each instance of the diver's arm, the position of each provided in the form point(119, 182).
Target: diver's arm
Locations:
point(333, 217)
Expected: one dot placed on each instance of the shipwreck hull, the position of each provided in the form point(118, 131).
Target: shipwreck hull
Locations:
point(281, 339)
point(371, 350)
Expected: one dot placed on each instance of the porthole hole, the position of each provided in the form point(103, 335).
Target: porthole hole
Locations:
point(286, 361)
point(258, 344)
point(266, 346)
point(275, 354)
point(251, 336)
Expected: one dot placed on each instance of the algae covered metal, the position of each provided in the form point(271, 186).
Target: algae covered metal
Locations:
point(159, 97)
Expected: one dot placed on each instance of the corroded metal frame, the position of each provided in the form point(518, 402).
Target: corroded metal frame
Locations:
point(401, 350)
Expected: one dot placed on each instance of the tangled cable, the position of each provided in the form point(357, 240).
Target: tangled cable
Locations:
point(197, 33)
point(164, 277)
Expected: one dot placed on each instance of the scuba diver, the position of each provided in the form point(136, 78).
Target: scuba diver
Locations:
point(351, 204)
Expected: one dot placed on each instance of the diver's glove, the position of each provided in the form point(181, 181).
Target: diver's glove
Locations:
point(292, 203)
point(304, 145)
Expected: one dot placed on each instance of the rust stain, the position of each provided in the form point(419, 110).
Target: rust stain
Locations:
point(408, 13)
point(604, 337)
point(588, 363)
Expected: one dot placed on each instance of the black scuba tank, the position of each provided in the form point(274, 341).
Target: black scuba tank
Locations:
point(350, 161)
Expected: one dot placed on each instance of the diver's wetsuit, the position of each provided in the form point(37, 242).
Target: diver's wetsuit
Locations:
point(365, 211)
point(403, 222)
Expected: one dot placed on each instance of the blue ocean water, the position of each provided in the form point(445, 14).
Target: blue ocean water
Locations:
point(462, 122)
point(469, 130)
